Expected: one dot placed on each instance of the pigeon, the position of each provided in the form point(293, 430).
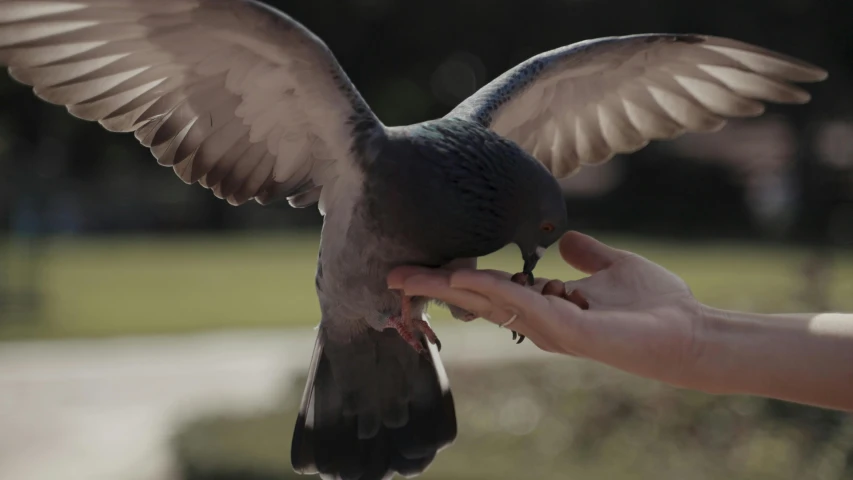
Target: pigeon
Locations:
point(245, 101)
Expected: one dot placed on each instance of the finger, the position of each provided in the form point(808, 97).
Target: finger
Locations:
point(555, 288)
point(500, 291)
point(517, 323)
point(585, 292)
point(437, 286)
point(539, 315)
point(588, 254)
point(398, 276)
point(563, 329)
point(527, 326)
point(576, 297)
point(497, 273)
point(535, 315)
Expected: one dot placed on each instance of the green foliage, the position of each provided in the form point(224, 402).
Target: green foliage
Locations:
point(151, 285)
point(569, 419)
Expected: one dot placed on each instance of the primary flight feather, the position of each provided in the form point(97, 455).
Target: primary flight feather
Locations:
point(242, 99)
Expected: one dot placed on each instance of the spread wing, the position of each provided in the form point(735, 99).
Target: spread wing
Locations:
point(232, 94)
point(584, 103)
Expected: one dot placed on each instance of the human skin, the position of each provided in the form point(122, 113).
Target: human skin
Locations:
point(643, 319)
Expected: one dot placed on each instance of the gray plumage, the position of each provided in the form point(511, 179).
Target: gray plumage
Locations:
point(245, 101)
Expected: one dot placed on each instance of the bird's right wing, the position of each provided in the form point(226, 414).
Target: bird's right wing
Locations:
point(582, 104)
point(233, 94)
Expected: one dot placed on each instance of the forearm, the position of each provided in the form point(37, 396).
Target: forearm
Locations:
point(799, 358)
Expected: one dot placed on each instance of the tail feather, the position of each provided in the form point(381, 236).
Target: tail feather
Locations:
point(372, 407)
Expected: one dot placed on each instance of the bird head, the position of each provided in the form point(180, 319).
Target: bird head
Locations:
point(543, 219)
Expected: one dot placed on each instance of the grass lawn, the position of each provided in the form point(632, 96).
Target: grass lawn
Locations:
point(141, 285)
point(563, 419)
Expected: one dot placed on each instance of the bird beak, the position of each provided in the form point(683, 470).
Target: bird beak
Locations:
point(530, 261)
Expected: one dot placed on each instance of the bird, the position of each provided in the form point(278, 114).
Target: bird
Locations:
point(242, 99)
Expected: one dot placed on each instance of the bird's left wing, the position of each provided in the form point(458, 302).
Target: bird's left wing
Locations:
point(231, 93)
point(586, 102)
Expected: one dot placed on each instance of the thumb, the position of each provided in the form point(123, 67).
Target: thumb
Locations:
point(588, 254)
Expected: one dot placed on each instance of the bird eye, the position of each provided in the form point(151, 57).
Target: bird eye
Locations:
point(547, 227)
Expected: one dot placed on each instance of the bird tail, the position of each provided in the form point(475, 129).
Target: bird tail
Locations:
point(372, 407)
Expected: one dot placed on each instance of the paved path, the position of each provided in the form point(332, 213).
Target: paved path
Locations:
point(105, 409)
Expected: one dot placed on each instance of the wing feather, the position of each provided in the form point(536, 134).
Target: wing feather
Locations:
point(234, 95)
point(613, 95)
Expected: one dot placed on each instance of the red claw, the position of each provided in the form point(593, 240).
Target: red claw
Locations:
point(407, 326)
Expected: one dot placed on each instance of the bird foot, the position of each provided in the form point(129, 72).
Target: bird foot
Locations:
point(526, 280)
point(408, 327)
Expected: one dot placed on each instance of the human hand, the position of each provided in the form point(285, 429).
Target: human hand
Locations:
point(641, 318)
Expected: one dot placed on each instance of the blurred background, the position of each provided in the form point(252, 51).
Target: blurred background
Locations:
point(150, 331)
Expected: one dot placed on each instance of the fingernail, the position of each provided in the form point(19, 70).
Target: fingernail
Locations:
point(414, 284)
point(555, 288)
point(578, 299)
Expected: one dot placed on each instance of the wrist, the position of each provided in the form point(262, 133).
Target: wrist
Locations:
point(719, 368)
point(781, 356)
point(804, 358)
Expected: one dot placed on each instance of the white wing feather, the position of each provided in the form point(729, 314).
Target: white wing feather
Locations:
point(582, 104)
point(232, 94)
